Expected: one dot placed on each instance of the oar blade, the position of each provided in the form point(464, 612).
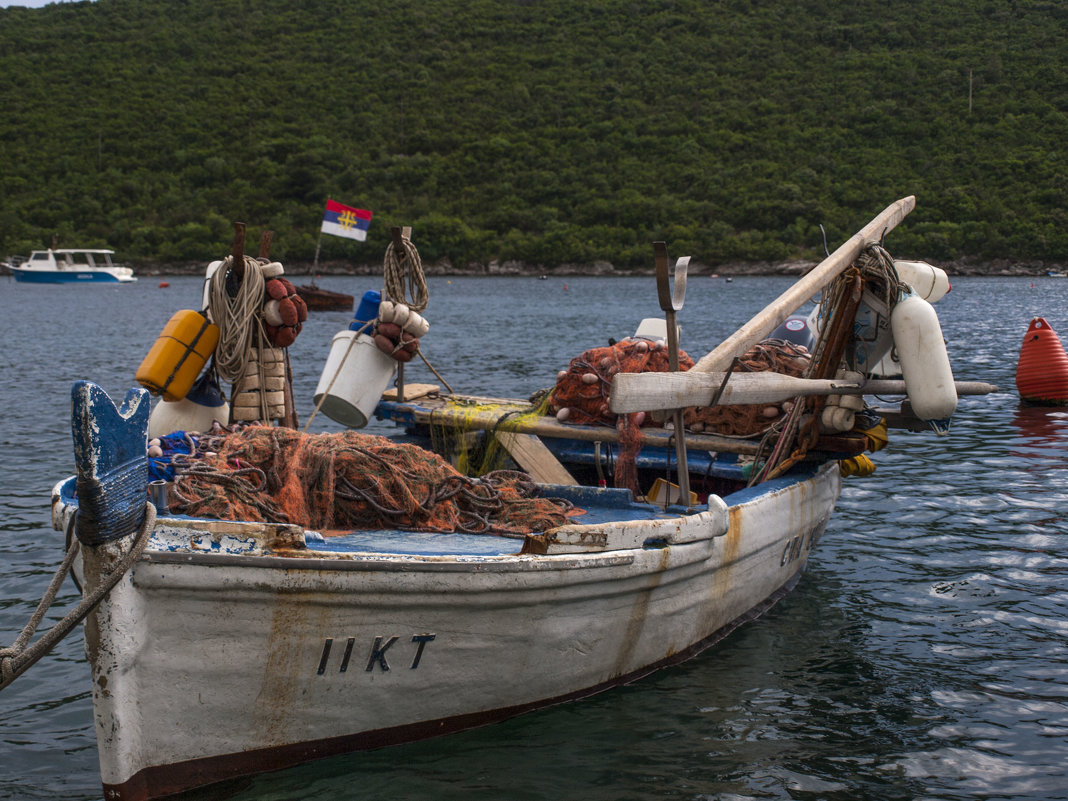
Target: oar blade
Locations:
point(644, 392)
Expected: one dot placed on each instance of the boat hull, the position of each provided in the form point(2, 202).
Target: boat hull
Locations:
point(216, 657)
point(27, 276)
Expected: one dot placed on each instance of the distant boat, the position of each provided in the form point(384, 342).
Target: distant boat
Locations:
point(70, 266)
point(1055, 274)
point(318, 299)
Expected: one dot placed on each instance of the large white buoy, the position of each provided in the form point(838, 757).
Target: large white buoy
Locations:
point(926, 280)
point(925, 365)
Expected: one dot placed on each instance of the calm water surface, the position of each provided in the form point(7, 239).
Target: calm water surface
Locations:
point(922, 656)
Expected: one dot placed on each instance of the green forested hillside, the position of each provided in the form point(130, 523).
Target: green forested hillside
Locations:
point(546, 131)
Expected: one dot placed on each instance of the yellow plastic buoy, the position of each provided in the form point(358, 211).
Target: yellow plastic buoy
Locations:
point(176, 359)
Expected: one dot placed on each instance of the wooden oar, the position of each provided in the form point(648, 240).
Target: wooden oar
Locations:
point(642, 392)
point(515, 417)
point(719, 359)
point(810, 284)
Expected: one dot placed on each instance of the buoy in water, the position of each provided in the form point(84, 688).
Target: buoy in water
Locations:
point(1042, 370)
point(163, 284)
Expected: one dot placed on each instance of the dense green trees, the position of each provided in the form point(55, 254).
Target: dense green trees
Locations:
point(545, 131)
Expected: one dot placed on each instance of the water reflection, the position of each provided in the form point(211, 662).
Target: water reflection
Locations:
point(1042, 425)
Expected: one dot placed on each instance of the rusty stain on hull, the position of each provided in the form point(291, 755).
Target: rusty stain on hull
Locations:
point(639, 612)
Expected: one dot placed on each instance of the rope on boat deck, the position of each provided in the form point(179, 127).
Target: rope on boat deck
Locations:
point(18, 658)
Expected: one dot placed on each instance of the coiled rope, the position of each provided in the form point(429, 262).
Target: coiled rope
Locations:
point(237, 313)
point(18, 658)
point(404, 271)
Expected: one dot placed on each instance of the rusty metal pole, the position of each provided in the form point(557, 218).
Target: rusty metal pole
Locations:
point(671, 303)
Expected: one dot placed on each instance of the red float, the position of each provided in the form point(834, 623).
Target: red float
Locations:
point(1042, 371)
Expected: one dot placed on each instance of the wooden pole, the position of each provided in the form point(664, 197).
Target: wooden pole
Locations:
point(638, 392)
point(265, 244)
point(719, 359)
point(238, 266)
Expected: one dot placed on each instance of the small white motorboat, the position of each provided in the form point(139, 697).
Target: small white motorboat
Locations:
point(70, 266)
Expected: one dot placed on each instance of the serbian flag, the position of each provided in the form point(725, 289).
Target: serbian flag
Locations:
point(345, 221)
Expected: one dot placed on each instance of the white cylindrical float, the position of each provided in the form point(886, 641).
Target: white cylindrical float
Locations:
point(926, 280)
point(353, 380)
point(925, 365)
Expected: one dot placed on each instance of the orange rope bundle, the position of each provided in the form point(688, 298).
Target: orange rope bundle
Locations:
point(350, 480)
point(771, 355)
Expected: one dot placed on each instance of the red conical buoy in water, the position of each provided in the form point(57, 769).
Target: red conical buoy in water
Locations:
point(1042, 371)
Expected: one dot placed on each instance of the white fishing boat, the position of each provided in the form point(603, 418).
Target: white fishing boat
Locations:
point(70, 266)
point(233, 644)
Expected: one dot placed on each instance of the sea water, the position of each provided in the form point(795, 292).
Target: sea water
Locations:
point(923, 655)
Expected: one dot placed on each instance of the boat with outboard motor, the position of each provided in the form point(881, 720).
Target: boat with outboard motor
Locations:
point(258, 596)
point(70, 266)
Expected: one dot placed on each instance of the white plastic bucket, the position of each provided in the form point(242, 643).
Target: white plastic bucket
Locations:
point(353, 380)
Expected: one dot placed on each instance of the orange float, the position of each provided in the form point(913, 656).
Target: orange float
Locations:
point(1042, 371)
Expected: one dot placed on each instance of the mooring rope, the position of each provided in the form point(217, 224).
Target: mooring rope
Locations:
point(397, 267)
point(18, 658)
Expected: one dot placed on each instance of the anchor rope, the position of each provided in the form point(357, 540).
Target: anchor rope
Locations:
point(18, 658)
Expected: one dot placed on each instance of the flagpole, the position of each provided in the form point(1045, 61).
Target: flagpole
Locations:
point(315, 265)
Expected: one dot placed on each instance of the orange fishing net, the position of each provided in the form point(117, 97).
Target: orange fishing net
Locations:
point(771, 355)
point(581, 395)
point(350, 480)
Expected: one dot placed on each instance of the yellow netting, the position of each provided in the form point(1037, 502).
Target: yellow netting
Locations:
point(455, 430)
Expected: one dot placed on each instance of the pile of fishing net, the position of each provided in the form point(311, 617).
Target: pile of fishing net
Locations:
point(581, 395)
point(581, 392)
point(744, 420)
point(350, 480)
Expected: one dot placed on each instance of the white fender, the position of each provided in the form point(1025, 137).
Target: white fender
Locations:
point(208, 273)
point(416, 325)
point(926, 280)
point(924, 362)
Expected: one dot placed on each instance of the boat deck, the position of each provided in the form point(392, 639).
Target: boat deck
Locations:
point(595, 505)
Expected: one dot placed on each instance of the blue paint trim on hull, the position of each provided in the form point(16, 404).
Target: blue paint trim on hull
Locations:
point(50, 277)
